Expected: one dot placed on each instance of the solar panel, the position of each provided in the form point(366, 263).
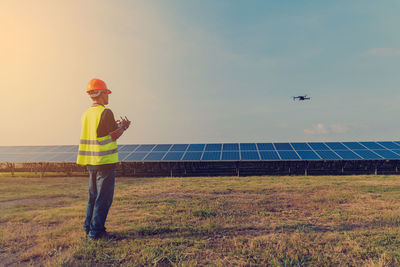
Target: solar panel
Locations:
point(73, 149)
point(4, 157)
point(265, 146)
point(249, 155)
point(327, 154)
point(20, 149)
point(367, 154)
point(5, 149)
point(155, 156)
point(353, 145)
point(63, 149)
point(171, 156)
point(216, 152)
point(196, 147)
point(307, 154)
point(179, 147)
point(269, 155)
point(43, 157)
point(248, 146)
point(192, 156)
point(319, 146)
point(16, 149)
point(136, 156)
point(283, 146)
point(129, 148)
point(387, 154)
point(347, 154)
point(389, 145)
point(372, 145)
point(211, 155)
point(145, 148)
point(230, 147)
point(64, 157)
point(301, 146)
point(32, 149)
point(288, 155)
point(123, 155)
point(162, 148)
point(16, 157)
point(230, 155)
point(213, 147)
point(336, 146)
point(45, 149)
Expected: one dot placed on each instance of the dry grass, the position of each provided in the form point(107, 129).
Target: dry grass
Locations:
point(277, 221)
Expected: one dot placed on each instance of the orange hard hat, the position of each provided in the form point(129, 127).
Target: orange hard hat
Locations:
point(97, 84)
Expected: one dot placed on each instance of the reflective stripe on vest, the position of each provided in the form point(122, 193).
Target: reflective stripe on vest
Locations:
point(100, 153)
point(95, 150)
point(95, 142)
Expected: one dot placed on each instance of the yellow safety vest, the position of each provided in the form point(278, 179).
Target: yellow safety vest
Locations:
point(95, 150)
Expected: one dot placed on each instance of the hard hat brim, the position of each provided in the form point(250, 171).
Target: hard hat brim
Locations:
point(108, 91)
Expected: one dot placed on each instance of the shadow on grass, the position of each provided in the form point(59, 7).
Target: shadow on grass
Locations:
point(215, 231)
point(186, 232)
point(309, 228)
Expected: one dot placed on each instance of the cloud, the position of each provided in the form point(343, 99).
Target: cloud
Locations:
point(339, 128)
point(318, 128)
point(383, 52)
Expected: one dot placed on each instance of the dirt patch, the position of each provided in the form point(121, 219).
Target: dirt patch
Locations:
point(208, 195)
point(7, 259)
point(22, 237)
point(29, 201)
point(175, 195)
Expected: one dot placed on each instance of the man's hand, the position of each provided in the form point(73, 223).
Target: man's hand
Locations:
point(125, 122)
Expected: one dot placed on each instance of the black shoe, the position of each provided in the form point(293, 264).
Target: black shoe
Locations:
point(103, 235)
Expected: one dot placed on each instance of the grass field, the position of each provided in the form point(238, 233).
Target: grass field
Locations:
point(277, 221)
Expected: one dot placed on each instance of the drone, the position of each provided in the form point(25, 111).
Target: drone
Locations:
point(301, 97)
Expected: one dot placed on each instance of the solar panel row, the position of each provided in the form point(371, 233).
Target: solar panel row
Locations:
point(216, 152)
point(262, 155)
point(38, 157)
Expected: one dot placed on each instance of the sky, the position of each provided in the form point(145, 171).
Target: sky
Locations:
point(202, 71)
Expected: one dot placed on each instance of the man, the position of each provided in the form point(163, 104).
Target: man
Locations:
point(98, 151)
